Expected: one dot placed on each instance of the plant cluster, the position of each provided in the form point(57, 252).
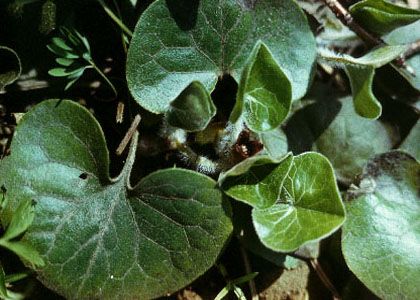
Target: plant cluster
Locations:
point(285, 130)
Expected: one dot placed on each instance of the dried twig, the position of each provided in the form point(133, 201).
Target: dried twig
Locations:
point(128, 135)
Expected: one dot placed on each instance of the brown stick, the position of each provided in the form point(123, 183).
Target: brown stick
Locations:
point(128, 135)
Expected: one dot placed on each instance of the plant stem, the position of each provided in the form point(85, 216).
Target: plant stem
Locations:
point(92, 63)
point(248, 270)
point(324, 278)
point(117, 20)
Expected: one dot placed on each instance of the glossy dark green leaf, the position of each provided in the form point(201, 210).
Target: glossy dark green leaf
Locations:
point(357, 138)
point(295, 201)
point(381, 237)
point(193, 109)
point(99, 237)
point(177, 42)
point(308, 208)
point(256, 181)
point(361, 72)
point(380, 16)
point(411, 143)
point(264, 94)
point(10, 67)
point(405, 36)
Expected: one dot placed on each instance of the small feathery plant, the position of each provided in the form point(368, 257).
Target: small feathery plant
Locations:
point(74, 57)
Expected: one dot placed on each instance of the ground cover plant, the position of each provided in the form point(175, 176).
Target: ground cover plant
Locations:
point(202, 149)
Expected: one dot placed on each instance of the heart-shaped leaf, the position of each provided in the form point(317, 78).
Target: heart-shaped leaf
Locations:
point(99, 237)
point(10, 67)
point(381, 237)
point(360, 72)
point(264, 94)
point(381, 16)
point(295, 201)
point(357, 138)
point(193, 109)
point(177, 42)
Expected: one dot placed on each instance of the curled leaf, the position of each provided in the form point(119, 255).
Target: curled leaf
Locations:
point(10, 66)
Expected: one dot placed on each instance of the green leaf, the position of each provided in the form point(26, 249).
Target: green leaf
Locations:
point(10, 67)
point(99, 237)
point(25, 251)
point(60, 52)
point(175, 43)
point(193, 109)
point(411, 142)
point(264, 94)
point(222, 294)
point(406, 35)
point(59, 42)
point(357, 138)
point(381, 237)
point(244, 278)
point(63, 72)
point(21, 219)
point(256, 181)
point(64, 61)
point(365, 102)
point(376, 58)
point(308, 209)
point(239, 293)
point(295, 201)
point(381, 16)
point(361, 72)
point(275, 143)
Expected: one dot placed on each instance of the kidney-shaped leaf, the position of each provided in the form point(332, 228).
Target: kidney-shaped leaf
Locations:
point(177, 42)
point(382, 16)
point(381, 237)
point(264, 95)
point(357, 138)
point(295, 201)
point(100, 238)
point(10, 67)
point(193, 109)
